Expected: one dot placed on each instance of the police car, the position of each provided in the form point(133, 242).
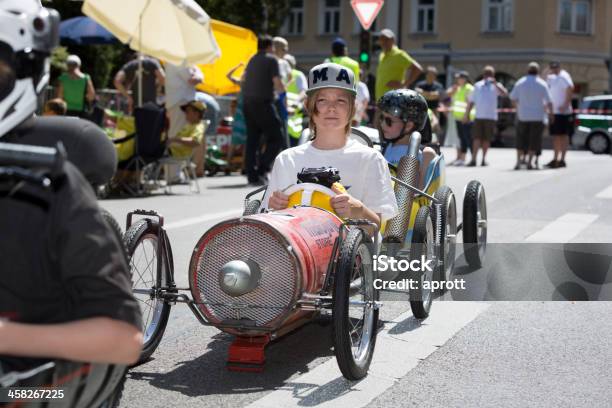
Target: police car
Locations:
point(594, 124)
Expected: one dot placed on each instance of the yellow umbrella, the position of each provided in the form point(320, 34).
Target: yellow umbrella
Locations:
point(237, 45)
point(177, 31)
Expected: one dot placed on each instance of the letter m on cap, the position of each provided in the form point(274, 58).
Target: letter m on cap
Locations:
point(319, 75)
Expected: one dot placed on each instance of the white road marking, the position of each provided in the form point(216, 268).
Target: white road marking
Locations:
point(563, 229)
point(399, 349)
point(204, 218)
point(607, 193)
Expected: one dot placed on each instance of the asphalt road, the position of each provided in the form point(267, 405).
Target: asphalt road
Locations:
point(488, 353)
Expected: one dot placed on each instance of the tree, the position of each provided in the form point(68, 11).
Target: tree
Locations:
point(261, 16)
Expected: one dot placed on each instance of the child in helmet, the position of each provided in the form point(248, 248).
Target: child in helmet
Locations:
point(402, 112)
point(331, 103)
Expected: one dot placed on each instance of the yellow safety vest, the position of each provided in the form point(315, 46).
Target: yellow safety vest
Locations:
point(460, 102)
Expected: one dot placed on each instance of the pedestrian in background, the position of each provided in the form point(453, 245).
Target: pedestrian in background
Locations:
point(396, 69)
point(261, 80)
point(127, 78)
point(76, 88)
point(280, 47)
point(532, 100)
point(561, 89)
point(431, 89)
point(361, 102)
point(340, 56)
point(459, 93)
point(180, 86)
point(296, 93)
point(484, 99)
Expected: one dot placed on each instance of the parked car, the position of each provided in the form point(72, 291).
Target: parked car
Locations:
point(593, 124)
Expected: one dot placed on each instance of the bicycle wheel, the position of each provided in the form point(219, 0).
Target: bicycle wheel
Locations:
point(448, 233)
point(114, 225)
point(422, 246)
point(355, 315)
point(141, 241)
point(474, 224)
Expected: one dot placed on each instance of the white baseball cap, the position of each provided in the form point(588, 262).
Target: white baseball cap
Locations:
point(330, 75)
point(73, 59)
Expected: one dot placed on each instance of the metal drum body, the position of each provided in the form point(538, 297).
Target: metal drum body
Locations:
point(290, 251)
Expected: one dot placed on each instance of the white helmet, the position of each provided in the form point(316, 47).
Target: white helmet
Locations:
point(330, 75)
point(28, 34)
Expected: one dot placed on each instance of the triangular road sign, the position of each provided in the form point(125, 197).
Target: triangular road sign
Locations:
point(366, 11)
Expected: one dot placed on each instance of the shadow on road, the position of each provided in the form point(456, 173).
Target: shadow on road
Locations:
point(207, 374)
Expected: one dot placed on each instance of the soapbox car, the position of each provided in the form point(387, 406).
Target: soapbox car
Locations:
point(261, 275)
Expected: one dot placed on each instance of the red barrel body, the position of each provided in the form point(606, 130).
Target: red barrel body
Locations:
point(292, 249)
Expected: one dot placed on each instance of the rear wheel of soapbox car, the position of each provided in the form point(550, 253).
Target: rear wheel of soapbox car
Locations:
point(149, 275)
point(422, 246)
point(355, 312)
point(448, 232)
point(474, 224)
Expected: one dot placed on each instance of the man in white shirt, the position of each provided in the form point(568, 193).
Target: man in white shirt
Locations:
point(361, 103)
point(561, 90)
point(532, 100)
point(180, 89)
point(281, 48)
point(484, 98)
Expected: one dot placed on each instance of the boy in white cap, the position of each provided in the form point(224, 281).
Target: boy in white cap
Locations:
point(331, 103)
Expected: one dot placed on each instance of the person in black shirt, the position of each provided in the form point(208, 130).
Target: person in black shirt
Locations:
point(153, 75)
point(64, 281)
point(431, 89)
point(261, 79)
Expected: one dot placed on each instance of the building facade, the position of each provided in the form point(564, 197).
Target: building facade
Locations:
point(470, 34)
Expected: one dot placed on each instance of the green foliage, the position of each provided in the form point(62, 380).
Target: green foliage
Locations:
point(58, 60)
point(261, 16)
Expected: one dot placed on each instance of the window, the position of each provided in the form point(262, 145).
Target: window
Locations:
point(424, 16)
point(329, 23)
point(497, 15)
point(575, 16)
point(294, 23)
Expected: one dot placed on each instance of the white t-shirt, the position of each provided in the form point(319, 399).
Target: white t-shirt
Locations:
point(362, 99)
point(178, 89)
point(362, 169)
point(532, 94)
point(284, 69)
point(484, 97)
point(558, 85)
point(300, 80)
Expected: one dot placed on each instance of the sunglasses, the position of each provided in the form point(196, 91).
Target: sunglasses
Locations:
point(389, 121)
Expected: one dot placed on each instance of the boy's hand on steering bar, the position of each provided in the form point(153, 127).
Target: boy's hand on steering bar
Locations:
point(345, 205)
point(278, 201)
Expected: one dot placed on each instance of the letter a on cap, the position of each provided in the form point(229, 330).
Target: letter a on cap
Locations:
point(343, 76)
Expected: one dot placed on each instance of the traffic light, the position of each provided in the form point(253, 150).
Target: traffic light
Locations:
point(365, 47)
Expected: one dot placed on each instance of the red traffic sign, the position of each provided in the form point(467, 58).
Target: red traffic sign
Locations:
point(366, 11)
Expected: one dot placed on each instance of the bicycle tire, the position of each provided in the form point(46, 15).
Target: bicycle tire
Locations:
point(352, 368)
point(138, 233)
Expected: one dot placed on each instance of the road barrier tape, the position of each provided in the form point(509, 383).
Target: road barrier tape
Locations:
point(513, 110)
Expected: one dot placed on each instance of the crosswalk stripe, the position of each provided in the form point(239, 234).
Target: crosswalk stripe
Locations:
point(563, 229)
point(202, 219)
point(399, 349)
point(606, 193)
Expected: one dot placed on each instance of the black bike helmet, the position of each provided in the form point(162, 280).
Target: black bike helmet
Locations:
point(406, 104)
